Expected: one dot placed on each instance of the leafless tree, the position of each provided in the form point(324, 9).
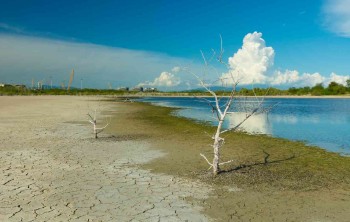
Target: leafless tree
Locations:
point(93, 121)
point(221, 107)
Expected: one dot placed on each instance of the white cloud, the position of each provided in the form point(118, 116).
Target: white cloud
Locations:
point(165, 79)
point(308, 79)
point(337, 16)
point(176, 69)
point(288, 77)
point(251, 63)
point(338, 79)
point(293, 78)
point(24, 58)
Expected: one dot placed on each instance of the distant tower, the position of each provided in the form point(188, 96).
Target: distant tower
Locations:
point(63, 84)
point(70, 80)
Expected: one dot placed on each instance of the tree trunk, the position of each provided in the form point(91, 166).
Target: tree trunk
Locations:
point(216, 160)
point(217, 144)
point(95, 129)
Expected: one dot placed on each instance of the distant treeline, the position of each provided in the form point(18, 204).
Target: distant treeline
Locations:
point(318, 90)
point(26, 91)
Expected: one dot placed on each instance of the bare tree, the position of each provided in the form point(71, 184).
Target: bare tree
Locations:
point(93, 121)
point(221, 107)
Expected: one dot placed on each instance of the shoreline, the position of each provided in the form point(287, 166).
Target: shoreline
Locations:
point(143, 95)
point(270, 97)
point(339, 150)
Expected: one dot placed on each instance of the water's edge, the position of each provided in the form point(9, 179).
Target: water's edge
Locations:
point(316, 123)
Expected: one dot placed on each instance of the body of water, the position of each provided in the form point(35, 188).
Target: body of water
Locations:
point(317, 121)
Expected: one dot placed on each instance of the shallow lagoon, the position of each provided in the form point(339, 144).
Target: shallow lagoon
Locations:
point(322, 122)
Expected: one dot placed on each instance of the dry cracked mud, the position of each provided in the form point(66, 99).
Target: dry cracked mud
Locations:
point(51, 169)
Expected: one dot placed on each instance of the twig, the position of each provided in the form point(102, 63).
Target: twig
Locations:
point(211, 165)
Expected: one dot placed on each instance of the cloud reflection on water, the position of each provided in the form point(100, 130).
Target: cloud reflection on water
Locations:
point(256, 124)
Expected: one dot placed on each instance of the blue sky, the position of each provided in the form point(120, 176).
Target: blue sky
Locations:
point(133, 42)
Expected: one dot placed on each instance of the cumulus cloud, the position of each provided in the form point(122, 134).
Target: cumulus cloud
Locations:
point(337, 16)
point(165, 79)
point(311, 79)
point(288, 77)
point(338, 78)
point(251, 63)
point(293, 78)
point(24, 58)
point(254, 61)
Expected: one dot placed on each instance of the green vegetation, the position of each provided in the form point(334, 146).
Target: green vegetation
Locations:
point(262, 92)
point(318, 90)
point(24, 91)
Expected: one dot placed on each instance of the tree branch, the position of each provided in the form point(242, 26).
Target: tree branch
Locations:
point(211, 165)
point(201, 82)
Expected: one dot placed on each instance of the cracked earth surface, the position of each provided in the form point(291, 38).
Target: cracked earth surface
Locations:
point(51, 170)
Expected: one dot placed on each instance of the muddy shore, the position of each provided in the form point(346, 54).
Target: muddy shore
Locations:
point(270, 179)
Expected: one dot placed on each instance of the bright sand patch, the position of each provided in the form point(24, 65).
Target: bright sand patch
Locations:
point(52, 169)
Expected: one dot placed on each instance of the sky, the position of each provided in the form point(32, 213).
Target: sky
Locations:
point(279, 43)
